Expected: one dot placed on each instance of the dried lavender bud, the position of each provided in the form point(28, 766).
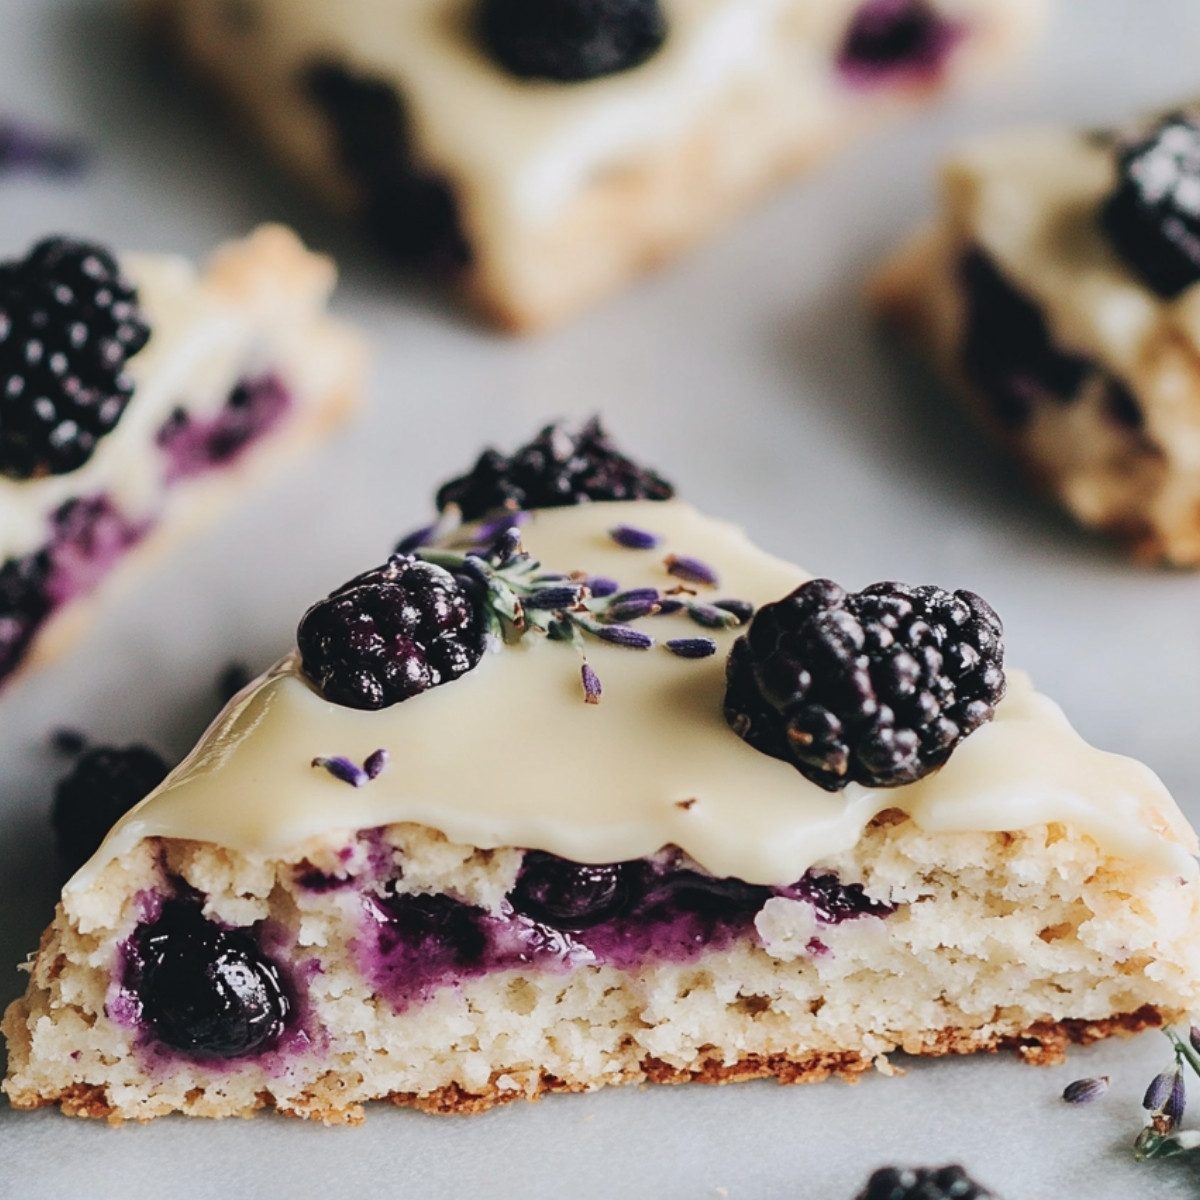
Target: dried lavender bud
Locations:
point(667, 605)
point(1084, 1091)
point(591, 685)
point(549, 598)
point(375, 762)
point(634, 539)
point(1194, 1038)
point(488, 531)
point(411, 541)
point(742, 609)
point(601, 588)
point(635, 594)
point(1159, 1090)
point(24, 147)
point(710, 617)
point(343, 769)
point(691, 569)
point(631, 610)
point(624, 635)
point(692, 647)
point(1176, 1103)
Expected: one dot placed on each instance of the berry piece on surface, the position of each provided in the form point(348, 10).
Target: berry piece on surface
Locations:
point(923, 1183)
point(68, 323)
point(206, 991)
point(390, 634)
point(570, 895)
point(105, 783)
point(571, 40)
point(1153, 216)
point(874, 687)
point(557, 469)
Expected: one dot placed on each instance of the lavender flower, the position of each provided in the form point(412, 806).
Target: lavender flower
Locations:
point(1084, 1091)
point(711, 617)
point(691, 569)
point(375, 762)
point(1176, 1102)
point(549, 598)
point(343, 769)
point(634, 539)
point(631, 610)
point(411, 541)
point(601, 588)
point(488, 531)
point(625, 635)
point(700, 647)
point(591, 685)
point(667, 605)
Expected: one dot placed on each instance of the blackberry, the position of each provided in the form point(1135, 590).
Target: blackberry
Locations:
point(923, 1183)
point(1153, 216)
point(390, 634)
point(206, 991)
point(103, 786)
point(570, 895)
point(68, 323)
point(558, 468)
point(874, 687)
point(571, 40)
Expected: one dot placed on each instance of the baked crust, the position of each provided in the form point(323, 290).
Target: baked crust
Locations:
point(1043, 1044)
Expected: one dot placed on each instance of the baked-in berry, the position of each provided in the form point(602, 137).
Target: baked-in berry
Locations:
point(390, 634)
point(68, 323)
point(874, 687)
point(1007, 350)
point(923, 1183)
point(206, 991)
point(409, 211)
point(571, 40)
point(105, 783)
point(1153, 216)
point(558, 468)
point(570, 895)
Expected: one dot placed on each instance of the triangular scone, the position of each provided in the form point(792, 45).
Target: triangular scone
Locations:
point(236, 365)
point(397, 940)
point(1057, 291)
point(543, 186)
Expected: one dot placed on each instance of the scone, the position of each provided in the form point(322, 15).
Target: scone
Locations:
point(139, 395)
point(1057, 291)
point(540, 806)
point(544, 152)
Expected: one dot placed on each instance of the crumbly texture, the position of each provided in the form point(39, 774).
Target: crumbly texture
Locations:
point(1029, 940)
point(624, 221)
point(1032, 200)
point(269, 268)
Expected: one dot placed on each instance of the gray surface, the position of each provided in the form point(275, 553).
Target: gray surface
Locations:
point(751, 375)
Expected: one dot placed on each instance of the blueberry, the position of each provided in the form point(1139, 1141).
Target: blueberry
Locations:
point(433, 931)
point(570, 895)
point(206, 991)
point(571, 40)
point(1153, 216)
point(923, 1183)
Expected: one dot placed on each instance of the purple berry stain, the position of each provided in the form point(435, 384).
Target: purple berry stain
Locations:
point(896, 42)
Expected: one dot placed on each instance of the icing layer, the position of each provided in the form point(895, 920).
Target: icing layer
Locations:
point(510, 755)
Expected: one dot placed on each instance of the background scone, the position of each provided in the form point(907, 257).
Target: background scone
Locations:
point(140, 395)
point(545, 153)
point(847, 841)
point(1057, 290)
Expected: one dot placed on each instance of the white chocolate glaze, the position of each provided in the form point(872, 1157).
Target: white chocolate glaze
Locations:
point(205, 335)
point(510, 755)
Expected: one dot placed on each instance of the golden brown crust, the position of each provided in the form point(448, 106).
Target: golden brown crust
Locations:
point(1044, 1043)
